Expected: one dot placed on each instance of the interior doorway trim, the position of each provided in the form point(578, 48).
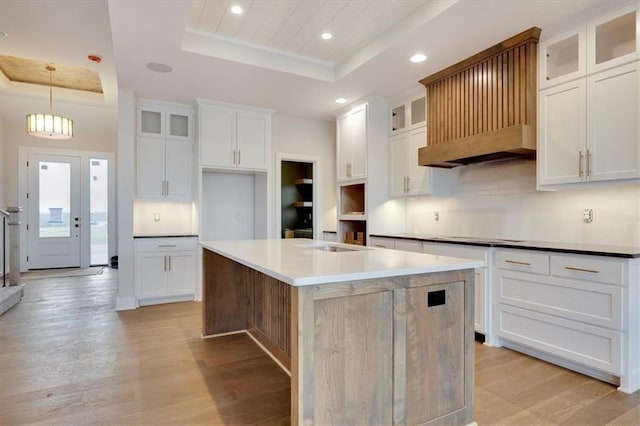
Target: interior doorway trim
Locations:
point(85, 243)
point(315, 161)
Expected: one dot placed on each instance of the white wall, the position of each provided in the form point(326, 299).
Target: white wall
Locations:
point(304, 136)
point(500, 200)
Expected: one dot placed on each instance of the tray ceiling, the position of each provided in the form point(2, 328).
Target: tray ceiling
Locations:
point(33, 71)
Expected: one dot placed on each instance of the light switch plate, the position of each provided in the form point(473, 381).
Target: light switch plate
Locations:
point(587, 215)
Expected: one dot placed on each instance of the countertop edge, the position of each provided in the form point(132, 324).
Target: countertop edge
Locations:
point(520, 245)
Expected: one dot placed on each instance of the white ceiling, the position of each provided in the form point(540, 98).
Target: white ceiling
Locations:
point(270, 57)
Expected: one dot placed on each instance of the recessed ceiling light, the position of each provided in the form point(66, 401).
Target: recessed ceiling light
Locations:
point(3, 34)
point(341, 101)
point(236, 10)
point(418, 57)
point(158, 67)
point(326, 36)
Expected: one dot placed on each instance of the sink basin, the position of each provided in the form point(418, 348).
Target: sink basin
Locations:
point(334, 249)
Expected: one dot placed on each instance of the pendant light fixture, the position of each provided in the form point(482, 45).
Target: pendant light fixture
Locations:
point(49, 126)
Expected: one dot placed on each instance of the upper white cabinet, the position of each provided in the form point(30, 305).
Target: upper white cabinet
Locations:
point(164, 152)
point(156, 120)
point(590, 103)
point(234, 138)
point(352, 144)
point(589, 128)
point(406, 177)
point(612, 40)
point(604, 43)
point(408, 115)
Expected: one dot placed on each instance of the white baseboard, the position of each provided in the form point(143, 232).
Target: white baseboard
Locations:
point(126, 303)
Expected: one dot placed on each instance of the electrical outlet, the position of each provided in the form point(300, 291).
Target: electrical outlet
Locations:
point(156, 217)
point(436, 216)
point(587, 215)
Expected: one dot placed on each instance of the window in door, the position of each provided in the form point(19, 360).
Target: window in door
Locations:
point(98, 210)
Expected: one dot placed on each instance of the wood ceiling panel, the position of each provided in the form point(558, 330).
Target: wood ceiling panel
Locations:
point(230, 22)
point(32, 71)
point(253, 20)
point(300, 18)
point(272, 23)
point(310, 33)
point(196, 13)
point(212, 15)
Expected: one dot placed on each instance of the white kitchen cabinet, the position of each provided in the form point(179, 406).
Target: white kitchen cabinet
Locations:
point(603, 43)
point(613, 124)
point(562, 133)
point(575, 310)
point(164, 151)
point(351, 140)
point(589, 128)
point(163, 168)
point(612, 39)
point(408, 115)
point(161, 120)
point(562, 58)
point(165, 269)
point(234, 138)
point(590, 102)
point(406, 177)
point(382, 242)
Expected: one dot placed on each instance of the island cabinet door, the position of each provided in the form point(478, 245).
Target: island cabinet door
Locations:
point(342, 362)
point(434, 355)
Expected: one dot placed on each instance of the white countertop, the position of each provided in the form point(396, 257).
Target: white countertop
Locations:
point(299, 261)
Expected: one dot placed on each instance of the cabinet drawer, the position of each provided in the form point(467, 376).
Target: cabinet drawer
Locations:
point(592, 303)
point(409, 245)
point(382, 242)
point(610, 271)
point(165, 244)
point(455, 250)
point(522, 261)
point(585, 344)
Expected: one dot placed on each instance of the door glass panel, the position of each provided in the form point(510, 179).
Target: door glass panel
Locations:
point(98, 206)
point(55, 199)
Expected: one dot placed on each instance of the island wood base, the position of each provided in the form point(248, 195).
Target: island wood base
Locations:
point(381, 351)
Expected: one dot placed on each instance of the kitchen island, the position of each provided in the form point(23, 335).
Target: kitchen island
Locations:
point(369, 335)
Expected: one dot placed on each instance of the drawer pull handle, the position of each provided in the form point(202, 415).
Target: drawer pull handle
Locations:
point(166, 245)
point(591, 271)
point(517, 262)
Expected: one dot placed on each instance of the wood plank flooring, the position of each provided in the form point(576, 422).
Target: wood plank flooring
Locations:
point(67, 358)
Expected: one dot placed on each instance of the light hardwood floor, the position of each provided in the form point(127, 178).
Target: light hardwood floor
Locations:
point(67, 358)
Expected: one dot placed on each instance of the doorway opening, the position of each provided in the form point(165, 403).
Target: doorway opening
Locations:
point(296, 199)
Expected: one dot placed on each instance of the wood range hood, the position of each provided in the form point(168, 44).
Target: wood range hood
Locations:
point(484, 108)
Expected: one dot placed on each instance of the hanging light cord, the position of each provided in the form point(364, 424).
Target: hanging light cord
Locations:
point(51, 70)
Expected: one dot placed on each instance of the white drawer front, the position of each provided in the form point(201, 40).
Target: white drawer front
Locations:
point(382, 242)
point(409, 245)
point(588, 345)
point(592, 303)
point(165, 244)
point(456, 250)
point(589, 268)
point(515, 260)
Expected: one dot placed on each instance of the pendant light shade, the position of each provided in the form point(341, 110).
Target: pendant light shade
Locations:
point(49, 126)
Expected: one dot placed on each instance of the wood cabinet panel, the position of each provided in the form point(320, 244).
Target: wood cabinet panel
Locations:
point(354, 363)
point(435, 363)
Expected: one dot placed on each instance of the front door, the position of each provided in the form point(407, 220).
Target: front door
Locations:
point(53, 223)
